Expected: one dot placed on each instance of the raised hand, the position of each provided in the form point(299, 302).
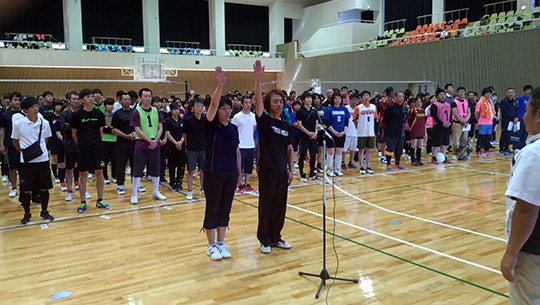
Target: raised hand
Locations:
point(221, 75)
point(258, 69)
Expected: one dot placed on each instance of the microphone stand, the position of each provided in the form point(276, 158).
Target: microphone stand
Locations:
point(323, 275)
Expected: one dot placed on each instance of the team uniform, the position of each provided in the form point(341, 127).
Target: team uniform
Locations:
point(124, 147)
point(176, 158)
point(109, 148)
point(351, 134)
point(459, 138)
point(245, 124)
point(381, 108)
point(365, 129)
point(338, 118)
point(441, 114)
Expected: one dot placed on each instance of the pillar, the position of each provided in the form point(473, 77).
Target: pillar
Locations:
point(151, 26)
point(276, 21)
point(437, 11)
point(217, 26)
point(73, 34)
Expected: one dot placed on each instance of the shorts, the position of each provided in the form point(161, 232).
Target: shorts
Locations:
point(90, 159)
point(441, 135)
point(195, 157)
point(320, 139)
point(71, 160)
point(53, 145)
point(407, 135)
point(485, 129)
point(35, 176)
point(393, 143)
point(366, 142)
point(338, 142)
point(381, 137)
point(351, 143)
point(60, 152)
point(144, 157)
point(248, 155)
point(12, 156)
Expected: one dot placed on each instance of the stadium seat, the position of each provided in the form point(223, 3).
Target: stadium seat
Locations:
point(130, 49)
point(492, 21)
point(401, 31)
point(501, 20)
point(418, 28)
point(457, 21)
point(424, 27)
point(536, 12)
point(501, 15)
point(385, 33)
point(509, 19)
point(527, 16)
point(493, 16)
point(464, 21)
point(49, 45)
point(510, 14)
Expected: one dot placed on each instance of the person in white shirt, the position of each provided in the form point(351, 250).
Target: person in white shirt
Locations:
point(246, 123)
point(35, 173)
point(351, 140)
point(520, 265)
point(364, 119)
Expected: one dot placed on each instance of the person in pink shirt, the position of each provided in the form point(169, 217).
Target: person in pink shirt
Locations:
point(485, 113)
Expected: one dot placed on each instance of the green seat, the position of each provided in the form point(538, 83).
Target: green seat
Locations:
point(510, 14)
point(493, 16)
point(401, 31)
point(391, 32)
point(536, 10)
point(502, 14)
point(492, 21)
point(385, 33)
point(527, 16)
point(510, 19)
point(394, 36)
point(501, 20)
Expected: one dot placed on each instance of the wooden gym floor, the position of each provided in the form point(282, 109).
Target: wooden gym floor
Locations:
point(426, 235)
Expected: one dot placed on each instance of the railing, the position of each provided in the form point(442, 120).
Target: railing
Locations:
point(448, 15)
point(182, 44)
point(112, 40)
point(505, 6)
point(338, 23)
point(390, 25)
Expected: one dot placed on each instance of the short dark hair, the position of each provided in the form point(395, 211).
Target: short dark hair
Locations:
point(268, 98)
point(28, 101)
point(243, 98)
point(119, 93)
point(527, 87)
point(304, 95)
point(461, 88)
point(57, 102)
point(486, 90)
point(69, 94)
point(344, 87)
point(6, 95)
point(448, 85)
point(174, 106)
point(296, 103)
point(388, 90)
point(439, 91)
point(47, 93)
point(472, 93)
point(132, 94)
point(223, 101)
point(14, 94)
point(196, 100)
point(84, 92)
point(510, 88)
point(364, 92)
point(144, 89)
point(534, 100)
point(108, 101)
point(333, 98)
point(96, 90)
point(292, 92)
point(354, 95)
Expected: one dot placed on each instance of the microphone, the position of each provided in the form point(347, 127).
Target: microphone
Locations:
point(321, 128)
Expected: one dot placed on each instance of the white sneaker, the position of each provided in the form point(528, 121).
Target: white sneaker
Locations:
point(87, 195)
point(330, 173)
point(383, 160)
point(339, 173)
point(107, 181)
point(14, 192)
point(223, 251)
point(4, 178)
point(295, 164)
point(69, 196)
point(63, 188)
point(128, 170)
point(201, 192)
point(369, 171)
point(303, 179)
point(76, 186)
point(214, 253)
point(158, 196)
point(379, 153)
point(90, 176)
point(134, 199)
point(141, 189)
point(56, 180)
point(362, 171)
point(189, 195)
point(120, 190)
point(454, 157)
point(282, 244)
point(265, 249)
point(113, 180)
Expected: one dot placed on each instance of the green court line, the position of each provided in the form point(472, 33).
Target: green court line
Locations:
point(391, 255)
point(455, 195)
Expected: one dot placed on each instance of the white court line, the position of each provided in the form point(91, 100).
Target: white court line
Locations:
point(401, 241)
point(480, 171)
point(411, 216)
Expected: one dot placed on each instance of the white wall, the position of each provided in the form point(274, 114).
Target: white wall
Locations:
point(338, 36)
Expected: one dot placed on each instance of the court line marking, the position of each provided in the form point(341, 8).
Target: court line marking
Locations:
point(481, 171)
point(414, 217)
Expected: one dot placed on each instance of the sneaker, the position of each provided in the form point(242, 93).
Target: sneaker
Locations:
point(214, 253)
point(420, 163)
point(343, 166)
point(56, 180)
point(379, 153)
point(100, 204)
point(82, 207)
point(383, 160)
point(38, 203)
point(107, 181)
point(339, 173)
point(69, 196)
point(120, 190)
point(128, 170)
point(400, 166)
point(315, 177)
point(241, 189)
point(330, 173)
point(90, 176)
point(4, 178)
point(454, 157)
point(447, 161)
point(320, 169)
point(295, 165)
point(46, 216)
point(14, 192)
point(362, 171)
point(390, 167)
point(415, 163)
point(303, 178)
point(265, 249)
point(369, 171)
point(351, 165)
point(189, 195)
point(433, 160)
point(87, 196)
point(26, 219)
point(158, 196)
point(134, 199)
point(282, 244)
point(76, 185)
point(179, 186)
point(494, 143)
point(113, 180)
point(141, 189)
point(248, 188)
point(223, 251)
point(201, 192)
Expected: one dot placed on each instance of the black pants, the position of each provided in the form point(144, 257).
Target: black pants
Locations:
point(305, 144)
point(177, 165)
point(504, 140)
point(5, 168)
point(122, 156)
point(163, 164)
point(429, 143)
point(109, 156)
point(483, 141)
point(394, 145)
point(219, 191)
point(273, 186)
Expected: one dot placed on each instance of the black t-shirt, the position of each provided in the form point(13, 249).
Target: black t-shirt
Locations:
point(274, 137)
point(5, 122)
point(46, 110)
point(308, 118)
point(121, 120)
point(394, 119)
point(63, 125)
point(175, 129)
point(87, 125)
point(472, 106)
point(221, 144)
point(194, 129)
point(52, 118)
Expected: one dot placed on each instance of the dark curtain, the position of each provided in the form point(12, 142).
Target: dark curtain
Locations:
point(476, 8)
point(246, 24)
point(399, 9)
point(112, 18)
point(34, 17)
point(288, 30)
point(184, 20)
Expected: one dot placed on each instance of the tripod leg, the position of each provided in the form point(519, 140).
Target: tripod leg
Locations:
point(319, 290)
point(342, 279)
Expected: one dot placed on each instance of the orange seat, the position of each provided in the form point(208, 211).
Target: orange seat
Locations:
point(456, 22)
point(448, 28)
point(455, 27)
point(437, 25)
point(418, 28)
point(409, 34)
point(423, 31)
point(464, 21)
point(425, 26)
point(431, 25)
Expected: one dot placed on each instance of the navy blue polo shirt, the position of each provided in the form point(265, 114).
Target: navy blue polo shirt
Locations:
point(221, 144)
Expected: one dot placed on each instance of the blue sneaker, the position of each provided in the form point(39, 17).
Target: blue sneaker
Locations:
point(401, 166)
point(390, 167)
point(120, 190)
point(141, 189)
point(82, 207)
point(102, 205)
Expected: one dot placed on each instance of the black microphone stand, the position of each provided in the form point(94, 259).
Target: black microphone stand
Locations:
point(324, 276)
